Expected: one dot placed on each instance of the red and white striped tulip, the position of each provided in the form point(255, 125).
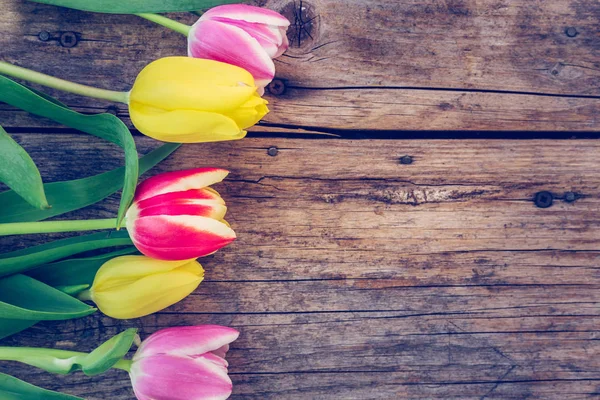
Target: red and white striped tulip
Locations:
point(243, 35)
point(183, 363)
point(177, 216)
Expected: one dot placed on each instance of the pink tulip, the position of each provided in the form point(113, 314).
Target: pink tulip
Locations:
point(183, 363)
point(246, 36)
point(176, 216)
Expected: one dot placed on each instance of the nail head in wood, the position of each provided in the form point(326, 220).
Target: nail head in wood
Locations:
point(571, 32)
point(406, 160)
point(570, 197)
point(68, 39)
point(277, 87)
point(44, 36)
point(543, 199)
point(272, 151)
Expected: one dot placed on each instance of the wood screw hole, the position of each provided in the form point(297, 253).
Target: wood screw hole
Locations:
point(277, 87)
point(68, 39)
point(543, 199)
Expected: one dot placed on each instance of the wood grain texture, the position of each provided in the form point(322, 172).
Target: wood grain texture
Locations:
point(516, 65)
point(358, 277)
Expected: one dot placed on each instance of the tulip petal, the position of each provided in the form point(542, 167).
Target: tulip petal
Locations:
point(180, 378)
point(184, 126)
point(247, 13)
point(214, 211)
point(175, 93)
point(270, 38)
point(121, 271)
point(191, 341)
point(177, 237)
point(230, 44)
point(178, 184)
point(195, 71)
point(250, 113)
point(206, 194)
point(143, 286)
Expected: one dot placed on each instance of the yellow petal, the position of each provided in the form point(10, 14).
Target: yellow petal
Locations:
point(187, 83)
point(131, 293)
point(196, 70)
point(121, 271)
point(184, 126)
point(250, 112)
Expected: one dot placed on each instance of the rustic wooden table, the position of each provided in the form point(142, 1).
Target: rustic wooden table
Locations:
point(404, 259)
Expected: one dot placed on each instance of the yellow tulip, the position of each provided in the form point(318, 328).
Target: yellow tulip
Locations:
point(183, 99)
point(133, 286)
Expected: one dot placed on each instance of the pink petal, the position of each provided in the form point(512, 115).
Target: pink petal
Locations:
point(247, 13)
point(232, 45)
point(221, 351)
point(178, 181)
point(187, 341)
point(270, 38)
point(178, 237)
point(167, 377)
point(192, 194)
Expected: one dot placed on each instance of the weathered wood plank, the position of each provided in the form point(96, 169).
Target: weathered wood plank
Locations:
point(377, 65)
point(356, 276)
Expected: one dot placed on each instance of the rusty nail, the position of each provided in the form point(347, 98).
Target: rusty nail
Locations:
point(570, 197)
point(571, 32)
point(68, 39)
point(277, 87)
point(272, 151)
point(543, 199)
point(44, 36)
point(406, 160)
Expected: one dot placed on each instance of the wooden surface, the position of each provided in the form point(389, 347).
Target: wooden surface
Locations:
point(508, 65)
point(355, 275)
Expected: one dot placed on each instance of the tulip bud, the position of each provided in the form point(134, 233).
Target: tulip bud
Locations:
point(187, 100)
point(183, 363)
point(133, 286)
point(176, 216)
point(239, 34)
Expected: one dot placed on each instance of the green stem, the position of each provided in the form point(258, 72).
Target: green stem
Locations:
point(167, 22)
point(23, 228)
point(86, 295)
point(56, 83)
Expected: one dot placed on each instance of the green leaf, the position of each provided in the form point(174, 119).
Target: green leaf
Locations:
point(108, 353)
point(75, 271)
point(19, 172)
point(22, 297)
point(137, 6)
point(105, 126)
point(11, 326)
point(12, 388)
point(23, 260)
point(72, 195)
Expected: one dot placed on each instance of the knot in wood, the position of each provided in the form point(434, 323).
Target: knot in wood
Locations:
point(303, 27)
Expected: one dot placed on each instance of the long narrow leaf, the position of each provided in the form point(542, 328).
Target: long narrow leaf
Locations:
point(11, 326)
point(72, 195)
point(105, 126)
point(12, 388)
point(137, 6)
point(22, 297)
point(19, 172)
point(26, 259)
